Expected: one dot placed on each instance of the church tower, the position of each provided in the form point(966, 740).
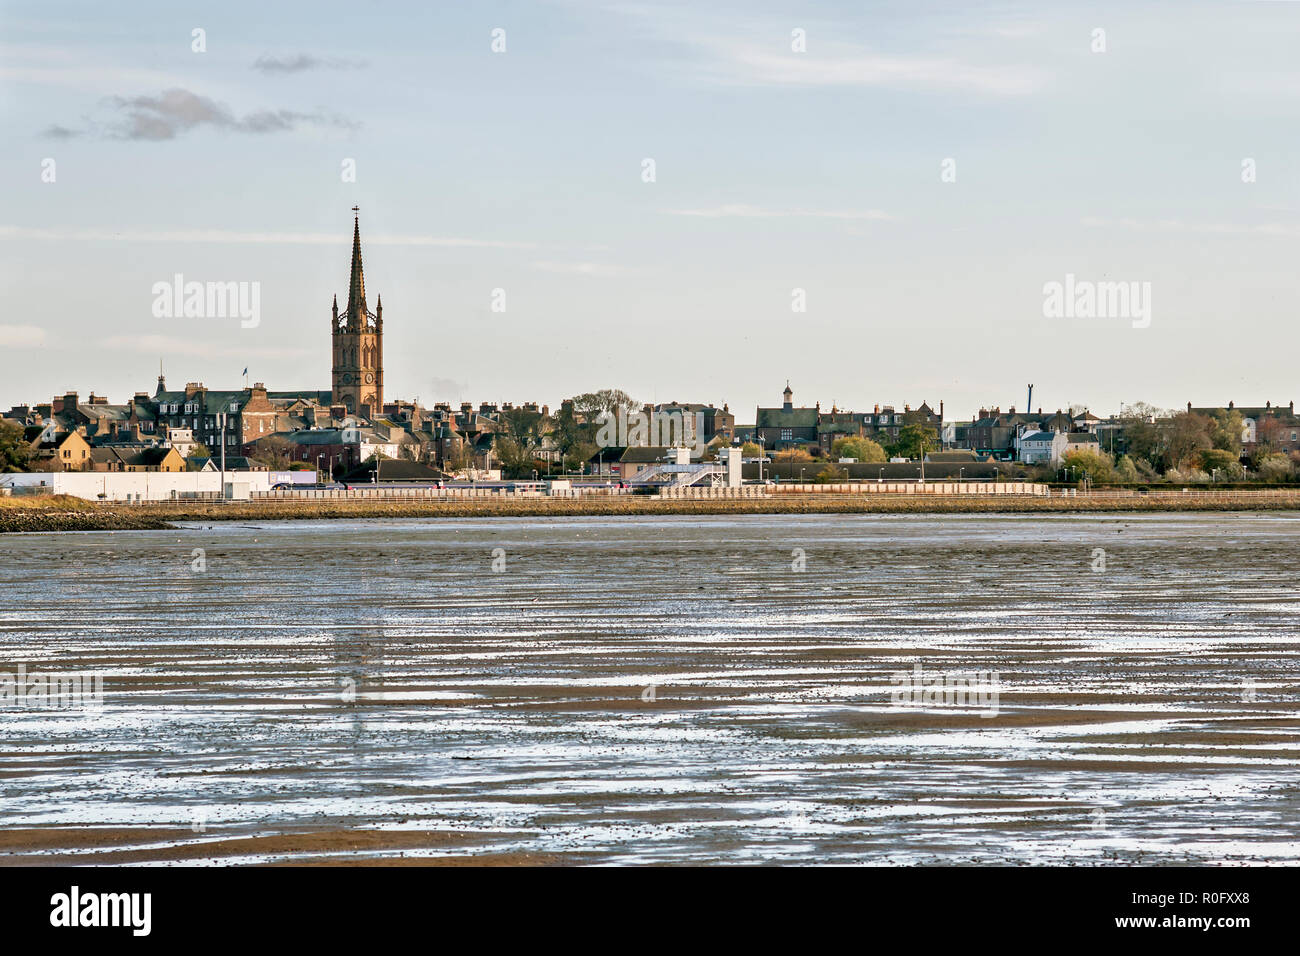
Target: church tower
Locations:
point(358, 334)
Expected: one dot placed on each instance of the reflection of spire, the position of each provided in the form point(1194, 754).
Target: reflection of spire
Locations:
point(357, 284)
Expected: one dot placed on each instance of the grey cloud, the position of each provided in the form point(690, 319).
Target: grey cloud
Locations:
point(176, 111)
point(60, 132)
point(303, 62)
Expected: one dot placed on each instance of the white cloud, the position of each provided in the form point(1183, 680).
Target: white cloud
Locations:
point(21, 336)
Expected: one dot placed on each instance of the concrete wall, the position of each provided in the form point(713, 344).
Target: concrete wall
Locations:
point(124, 486)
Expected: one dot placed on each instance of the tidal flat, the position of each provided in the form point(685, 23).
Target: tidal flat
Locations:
point(666, 689)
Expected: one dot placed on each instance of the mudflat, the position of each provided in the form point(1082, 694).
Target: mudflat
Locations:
point(667, 689)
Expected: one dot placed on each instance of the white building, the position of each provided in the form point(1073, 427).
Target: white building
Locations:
point(1039, 448)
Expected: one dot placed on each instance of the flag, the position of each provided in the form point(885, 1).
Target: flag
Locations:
point(245, 369)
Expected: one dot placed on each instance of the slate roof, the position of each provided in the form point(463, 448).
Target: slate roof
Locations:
point(644, 454)
point(780, 418)
point(391, 469)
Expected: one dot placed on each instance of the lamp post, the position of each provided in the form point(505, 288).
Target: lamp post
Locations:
point(221, 421)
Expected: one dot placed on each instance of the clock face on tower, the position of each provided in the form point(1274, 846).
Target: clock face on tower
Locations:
point(369, 378)
point(347, 378)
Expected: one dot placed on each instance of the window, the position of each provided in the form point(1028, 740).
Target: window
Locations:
point(786, 434)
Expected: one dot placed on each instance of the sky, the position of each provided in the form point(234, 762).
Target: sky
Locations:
point(914, 175)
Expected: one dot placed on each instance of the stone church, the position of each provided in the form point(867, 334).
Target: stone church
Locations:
point(358, 382)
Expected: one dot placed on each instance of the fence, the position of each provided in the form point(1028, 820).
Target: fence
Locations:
point(980, 489)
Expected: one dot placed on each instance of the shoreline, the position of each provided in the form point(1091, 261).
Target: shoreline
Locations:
point(158, 516)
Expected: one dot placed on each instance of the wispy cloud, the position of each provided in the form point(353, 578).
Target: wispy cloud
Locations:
point(744, 63)
point(1282, 230)
point(60, 132)
point(743, 211)
point(243, 238)
point(176, 111)
point(21, 336)
point(738, 47)
point(302, 62)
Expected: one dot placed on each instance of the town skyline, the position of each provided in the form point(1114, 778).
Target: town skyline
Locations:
point(913, 179)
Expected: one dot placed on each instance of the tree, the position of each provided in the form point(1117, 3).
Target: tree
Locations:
point(830, 474)
point(914, 441)
point(516, 460)
point(1089, 464)
point(750, 450)
point(1275, 468)
point(274, 452)
point(1187, 435)
point(460, 457)
point(15, 453)
point(607, 401)
point(567, 432)
point(1268, 436)
point(1225, 434)
point(792, 454)
point(863, 449)
point(1224, 462)
point(576, 458)
point(200, 450)
point(1142, 436)
point(1125, 470)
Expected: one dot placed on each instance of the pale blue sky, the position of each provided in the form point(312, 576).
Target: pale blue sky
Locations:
point(775, 170)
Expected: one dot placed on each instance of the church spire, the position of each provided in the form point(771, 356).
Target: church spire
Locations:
point(357, 285)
